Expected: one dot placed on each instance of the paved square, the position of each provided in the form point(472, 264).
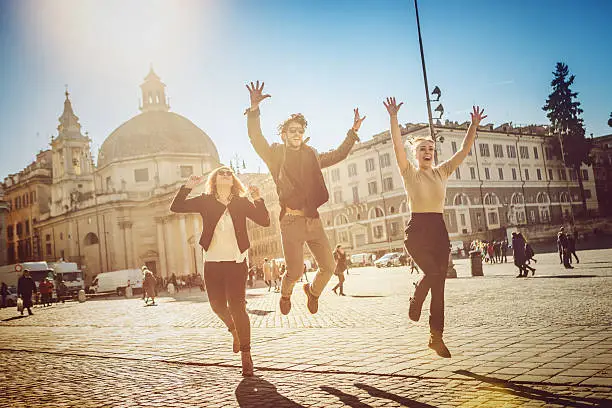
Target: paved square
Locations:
point(538, 341)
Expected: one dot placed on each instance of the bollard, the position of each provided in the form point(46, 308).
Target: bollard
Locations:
point(82, 296)
point(171, 289)
point(476, 263)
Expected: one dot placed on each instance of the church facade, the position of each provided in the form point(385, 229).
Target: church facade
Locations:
point(115, 215)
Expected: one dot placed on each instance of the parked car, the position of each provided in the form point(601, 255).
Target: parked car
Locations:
point(389, 259)
point(11, 297)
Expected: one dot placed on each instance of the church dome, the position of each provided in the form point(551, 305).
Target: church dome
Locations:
point(155, 130)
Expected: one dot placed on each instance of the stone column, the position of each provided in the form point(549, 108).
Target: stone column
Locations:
point(198, 249)
point(184, 245)
point(169, 247)
point(126, 231)
point(161, 248)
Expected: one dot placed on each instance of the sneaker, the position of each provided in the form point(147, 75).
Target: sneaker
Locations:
point(414, 310)
point(437, 344)
point(285, 305)
point(313, 301)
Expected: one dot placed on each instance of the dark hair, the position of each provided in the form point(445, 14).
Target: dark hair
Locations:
point(295, 117)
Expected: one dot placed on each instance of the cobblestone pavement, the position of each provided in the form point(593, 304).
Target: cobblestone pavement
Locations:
point(538, 341)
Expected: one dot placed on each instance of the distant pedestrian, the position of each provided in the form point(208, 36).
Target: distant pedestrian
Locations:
point(25, 288)
point(520, 257)
point(148, 285)
point(497, 251)
point(504, 250)
point(563, 247)
point(275, 275)
point(4, 293)
point(571, 248)
point(340, 258)
point(304, 274)
point(529, 254)
point(267, 273)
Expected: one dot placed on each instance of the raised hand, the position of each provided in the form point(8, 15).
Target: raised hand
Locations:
point(392, 106)
point(357, 121)
point(477, 115)
point(194, 181)
point(256, 94)
point(254, 192)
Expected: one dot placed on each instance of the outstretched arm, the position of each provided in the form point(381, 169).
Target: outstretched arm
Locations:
point(451, 164)
point(335, 156)
point(259, 142)
point(182, 204)
point(257, 210)
point(396, 134)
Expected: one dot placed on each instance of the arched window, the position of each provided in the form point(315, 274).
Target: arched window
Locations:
point(376, 212)
point(542, 198)
point(341, 219)
point(517, 199)
point(461, 199)
point(564, 197)
point(392, 210)
point(91, 239)
point(491, 199)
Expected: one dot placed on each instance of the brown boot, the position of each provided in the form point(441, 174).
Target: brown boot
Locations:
point(247, 364)
point(414, 310)
point(236, 343)
point(437, 344)
point(313, 301)
point(285, 305)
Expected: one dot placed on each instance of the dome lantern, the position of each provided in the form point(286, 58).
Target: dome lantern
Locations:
point(153, 94)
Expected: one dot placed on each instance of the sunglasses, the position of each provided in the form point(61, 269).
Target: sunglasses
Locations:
point(225, 172)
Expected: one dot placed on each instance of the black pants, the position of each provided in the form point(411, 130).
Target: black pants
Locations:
point(428, 244)
point(226, 285)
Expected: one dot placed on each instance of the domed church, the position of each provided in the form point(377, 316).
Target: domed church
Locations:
point(115, 215)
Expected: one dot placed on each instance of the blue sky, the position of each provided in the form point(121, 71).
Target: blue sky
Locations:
point(320, 58)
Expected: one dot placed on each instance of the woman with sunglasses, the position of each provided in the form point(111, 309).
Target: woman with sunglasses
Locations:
point(427, 239)
point(224, 208)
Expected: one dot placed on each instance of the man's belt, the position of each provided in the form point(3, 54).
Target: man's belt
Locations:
point(291, 211)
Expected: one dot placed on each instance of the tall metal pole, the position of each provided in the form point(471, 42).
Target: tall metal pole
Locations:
point(431, 127)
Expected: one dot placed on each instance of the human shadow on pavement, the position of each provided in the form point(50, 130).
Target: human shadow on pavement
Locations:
point(378, 393)
point(346, 399)
point(566, 276)
point(523, 391)
point(13, 318)
point(257, 312)
point(257, 392)
point(366, 296)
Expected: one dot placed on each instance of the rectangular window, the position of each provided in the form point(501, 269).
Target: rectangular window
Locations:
point(370, 165)
point(498, 150)
point(355, 194)
point(550, 174)
point(9, 232)
point(513, 173)
point(186, 171)
point(527, 174)
point(487, 173)
point(352, 169)
point(573, 176)
point(492, 218)
point(511, 150)
point(385, 160)
point(48, 249)
point(141, 175)
point(562, 174)
point(462, 217)
point(587, 194)
point(585, 175)
point(458, 174)
point(535, 153)
point(539, 174)
point(335, 174)
point(337, 197)
point(500, 172)
point(524, 151)
point(472, 173)
point(395, 228)
point(484, 150)
point(372, 188)
point(378, 231)
point(454, 146)
point(387, 184)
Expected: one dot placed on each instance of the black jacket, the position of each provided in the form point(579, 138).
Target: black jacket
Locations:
point(312, 185)
point(211, 211)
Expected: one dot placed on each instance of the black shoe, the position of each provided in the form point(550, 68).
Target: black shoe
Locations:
point(414, 310)
point(520, 275)
point(437, 344)
point(342, 294)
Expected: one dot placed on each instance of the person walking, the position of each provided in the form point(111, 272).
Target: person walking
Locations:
point(276, 275)
point(25, 288)
point(571, 248)
point(296, 170)
point(3, 293)
point(563, 246)
point(148, 285)
point(504, 250)
point(224, 209)
point(267, 272)
point(427, 239)
point(340, 258)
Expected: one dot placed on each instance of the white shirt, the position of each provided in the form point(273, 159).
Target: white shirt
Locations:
point(223, 246)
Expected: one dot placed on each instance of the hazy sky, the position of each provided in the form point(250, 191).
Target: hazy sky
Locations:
point(320, 58)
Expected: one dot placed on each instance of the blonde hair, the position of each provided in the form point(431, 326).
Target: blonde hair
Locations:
point(210, 187)
point(420, 139)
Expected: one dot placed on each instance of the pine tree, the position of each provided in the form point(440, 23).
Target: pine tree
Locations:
point(564, 115)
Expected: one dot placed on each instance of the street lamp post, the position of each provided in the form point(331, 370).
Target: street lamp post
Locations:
point(569, 192)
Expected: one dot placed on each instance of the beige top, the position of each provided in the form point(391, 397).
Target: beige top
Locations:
point(427, 188)
point(224, 246)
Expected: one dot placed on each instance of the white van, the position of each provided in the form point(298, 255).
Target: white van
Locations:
point(71, 275)
point(117, 281)
point(365, 259)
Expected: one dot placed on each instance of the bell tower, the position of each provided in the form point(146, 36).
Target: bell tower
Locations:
point(153, 94)
point(73, 180)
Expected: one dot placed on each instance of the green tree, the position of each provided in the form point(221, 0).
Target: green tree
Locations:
point(563, 111)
